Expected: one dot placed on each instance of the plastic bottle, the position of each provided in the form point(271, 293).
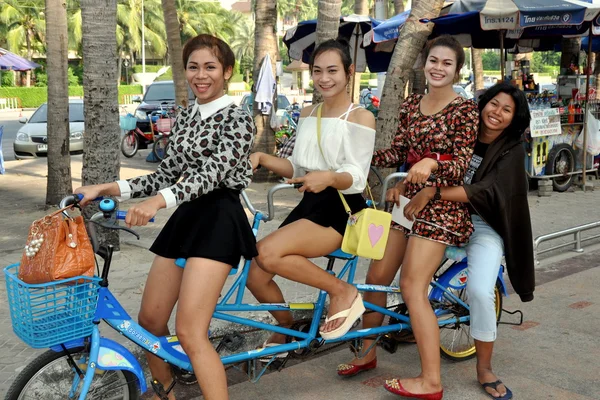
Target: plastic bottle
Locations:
point(571, 119)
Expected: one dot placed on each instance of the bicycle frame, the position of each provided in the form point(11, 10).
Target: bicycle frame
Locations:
point(106, 354)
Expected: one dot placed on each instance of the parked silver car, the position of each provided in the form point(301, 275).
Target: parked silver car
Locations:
point(32, 139)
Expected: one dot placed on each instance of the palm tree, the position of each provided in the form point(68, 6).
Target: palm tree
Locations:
point(398, 7)
point(101, 141)
point(477, 69)
point(242, 43)
point(175, 52)
point(328, 25)
point(266, 43)
point(59, 160)
point(25, 26)
point(203, 17)
point(410, 43)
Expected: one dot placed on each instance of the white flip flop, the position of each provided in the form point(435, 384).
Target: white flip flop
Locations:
point(351, 314)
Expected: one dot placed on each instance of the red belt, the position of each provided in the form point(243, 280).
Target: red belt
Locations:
point(414, 157)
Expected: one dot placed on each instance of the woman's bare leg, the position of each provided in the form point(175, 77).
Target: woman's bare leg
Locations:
point(381, 272)
point(421, 260)
point(201, 286)
point(285, 252)
point(159, 298)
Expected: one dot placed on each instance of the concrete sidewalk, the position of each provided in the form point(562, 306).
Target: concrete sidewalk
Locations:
point(553, 355)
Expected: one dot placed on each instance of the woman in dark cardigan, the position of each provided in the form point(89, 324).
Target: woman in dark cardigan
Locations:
point(496, 190)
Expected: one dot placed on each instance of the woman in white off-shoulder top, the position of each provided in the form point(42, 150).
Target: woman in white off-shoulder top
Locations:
point(316, 226)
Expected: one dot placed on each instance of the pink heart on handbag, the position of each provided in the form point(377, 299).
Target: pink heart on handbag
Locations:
point(375, 233)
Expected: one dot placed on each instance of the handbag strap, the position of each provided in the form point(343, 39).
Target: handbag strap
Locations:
point(346, 206)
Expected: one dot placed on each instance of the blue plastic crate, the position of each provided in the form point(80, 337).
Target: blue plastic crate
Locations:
point(47, 314)
point(127, 122)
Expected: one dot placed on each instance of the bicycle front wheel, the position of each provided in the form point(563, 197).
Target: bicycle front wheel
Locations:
point(50, 377)
point(159, 148)
point(129, 144)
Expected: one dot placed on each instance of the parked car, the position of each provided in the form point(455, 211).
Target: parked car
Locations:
point(32, 139)
point(282, 104)
point(158, 94)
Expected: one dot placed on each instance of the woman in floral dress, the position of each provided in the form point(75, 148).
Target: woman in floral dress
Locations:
point(436, 135)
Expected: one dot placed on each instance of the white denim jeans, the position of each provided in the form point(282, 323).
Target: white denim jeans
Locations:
point(484, 255)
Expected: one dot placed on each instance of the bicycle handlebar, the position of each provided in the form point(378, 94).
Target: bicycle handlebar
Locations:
point(270, 206)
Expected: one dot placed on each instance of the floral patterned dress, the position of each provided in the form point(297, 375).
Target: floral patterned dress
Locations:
point(452, 131)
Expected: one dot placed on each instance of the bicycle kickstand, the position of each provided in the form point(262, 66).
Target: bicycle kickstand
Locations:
point(160, 391)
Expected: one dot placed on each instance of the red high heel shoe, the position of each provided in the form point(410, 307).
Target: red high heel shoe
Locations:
point(395, 387)
point(351, 369)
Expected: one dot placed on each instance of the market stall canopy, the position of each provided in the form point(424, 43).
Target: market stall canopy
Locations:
point(12, 62)
point(300, 41)
point(519, 14)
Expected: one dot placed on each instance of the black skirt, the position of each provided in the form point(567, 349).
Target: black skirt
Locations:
point(213, 226)
point(326, 209)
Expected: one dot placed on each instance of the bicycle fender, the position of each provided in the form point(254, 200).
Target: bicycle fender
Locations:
point(454, 277)
point(71, 344)
point(501, 281)
point(113, 356)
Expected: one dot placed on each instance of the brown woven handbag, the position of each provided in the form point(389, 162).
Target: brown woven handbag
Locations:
point(57, 248)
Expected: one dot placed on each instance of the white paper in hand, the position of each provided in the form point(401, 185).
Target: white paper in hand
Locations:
point(398, 213)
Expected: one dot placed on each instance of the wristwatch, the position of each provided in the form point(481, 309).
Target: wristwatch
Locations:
point(438, 194)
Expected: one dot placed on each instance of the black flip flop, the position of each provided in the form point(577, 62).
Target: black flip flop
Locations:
point(494, 385)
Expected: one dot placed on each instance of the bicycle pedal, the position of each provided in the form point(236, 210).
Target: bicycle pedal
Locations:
point(159, 389)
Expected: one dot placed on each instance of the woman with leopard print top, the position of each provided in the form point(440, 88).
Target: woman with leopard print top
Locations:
point(206, 166)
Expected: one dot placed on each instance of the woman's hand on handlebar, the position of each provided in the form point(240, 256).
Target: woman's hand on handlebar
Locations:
point(393, 194)
point(314, 182)
point(89, 193)
point(421, 171)
point(140, 214)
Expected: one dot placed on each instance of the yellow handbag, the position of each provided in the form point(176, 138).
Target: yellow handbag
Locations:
point(367, 231)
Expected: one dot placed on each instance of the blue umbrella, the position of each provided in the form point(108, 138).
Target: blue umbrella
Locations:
point(300, 41)
point(518, 14)
point(11, 61)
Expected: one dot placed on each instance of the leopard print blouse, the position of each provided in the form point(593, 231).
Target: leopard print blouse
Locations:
point(203, 155)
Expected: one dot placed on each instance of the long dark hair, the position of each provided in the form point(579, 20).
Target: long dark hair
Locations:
point(340, 45)
point(521, 118)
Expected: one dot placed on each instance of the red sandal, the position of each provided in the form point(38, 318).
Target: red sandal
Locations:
point(351, 369)
point(394, 386)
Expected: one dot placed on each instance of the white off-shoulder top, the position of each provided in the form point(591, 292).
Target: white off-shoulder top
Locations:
point(347, 147)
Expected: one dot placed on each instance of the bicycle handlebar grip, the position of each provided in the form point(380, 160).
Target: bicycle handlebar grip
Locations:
point(297, 185)
point(80, 197)
point(121, 215)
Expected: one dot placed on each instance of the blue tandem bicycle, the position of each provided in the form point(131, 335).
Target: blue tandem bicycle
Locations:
point(64, 316)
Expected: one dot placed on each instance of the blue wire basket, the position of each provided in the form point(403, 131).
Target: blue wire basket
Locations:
point(127, 122)
point(48, 314)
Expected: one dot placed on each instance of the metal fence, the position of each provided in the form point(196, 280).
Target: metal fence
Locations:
point(577, 241)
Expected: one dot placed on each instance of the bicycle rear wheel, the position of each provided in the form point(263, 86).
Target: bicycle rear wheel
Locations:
point(456, 343)
point(129, 144)
point(159, 148)
point(50, 377)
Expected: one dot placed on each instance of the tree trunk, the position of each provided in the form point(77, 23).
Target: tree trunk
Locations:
point(175, 52)
point(328, 25)
point(265, 43)
point(477, 70)
point(59, 160)
point(361, 7)
point(597, 74)
point(570, 53)
point(29, 36)
point(410, 43)
point(398, 6)
point(101, 162)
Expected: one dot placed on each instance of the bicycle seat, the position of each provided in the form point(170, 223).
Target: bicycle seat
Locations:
point(455, 253)
point(341, 255)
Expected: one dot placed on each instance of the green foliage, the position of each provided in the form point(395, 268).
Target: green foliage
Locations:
point(33, 97)
point(7, 79)
point(490, 60)
point(41, 78)
point(237, 78)
point(545, 61)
